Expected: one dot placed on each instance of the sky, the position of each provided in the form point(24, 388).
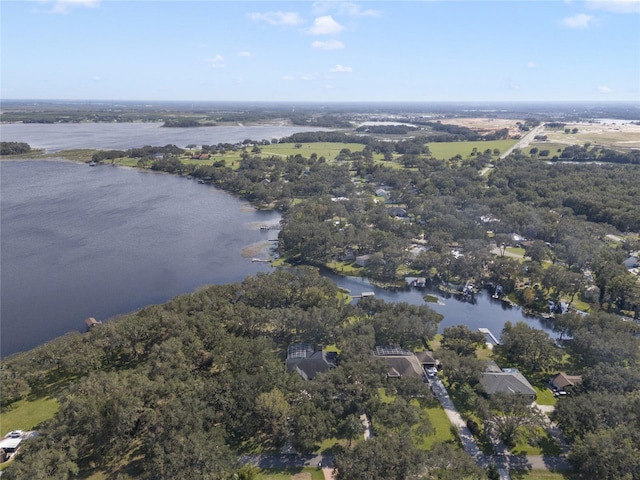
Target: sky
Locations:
point(321, 51)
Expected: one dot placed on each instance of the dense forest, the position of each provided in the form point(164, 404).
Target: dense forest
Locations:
point(179, 390)
point(435, 209)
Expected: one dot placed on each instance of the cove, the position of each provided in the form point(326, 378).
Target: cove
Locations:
point(483, 312)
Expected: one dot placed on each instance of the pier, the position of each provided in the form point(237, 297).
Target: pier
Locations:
point(364, 295)
point(488, 333)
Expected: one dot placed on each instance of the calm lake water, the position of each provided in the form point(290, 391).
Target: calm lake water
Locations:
point(54, 137)
point(77, 241)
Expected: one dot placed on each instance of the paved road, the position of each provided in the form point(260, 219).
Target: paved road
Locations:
point(286, 460)
point(524, 141)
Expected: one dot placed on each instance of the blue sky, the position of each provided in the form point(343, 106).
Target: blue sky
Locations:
point(545, 50)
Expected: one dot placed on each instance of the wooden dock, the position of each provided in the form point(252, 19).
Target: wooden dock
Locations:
point(364, 295)
point(488, 333)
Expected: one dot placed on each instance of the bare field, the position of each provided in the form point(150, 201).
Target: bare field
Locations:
point(618, 136)
point(486, 124)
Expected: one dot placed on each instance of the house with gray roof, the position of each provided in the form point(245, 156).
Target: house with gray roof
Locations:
point(506, 380)
point(400, 362)
point(309, 362)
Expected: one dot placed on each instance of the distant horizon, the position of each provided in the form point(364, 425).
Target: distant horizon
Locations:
point(482, 51)
point(635, 103)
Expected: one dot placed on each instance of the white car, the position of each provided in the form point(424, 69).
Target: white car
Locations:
point(15, 434)
point(432, 371)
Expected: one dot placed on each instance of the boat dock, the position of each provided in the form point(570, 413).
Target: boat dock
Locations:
point(364, 295)
point(270, 227)
point(488, 333)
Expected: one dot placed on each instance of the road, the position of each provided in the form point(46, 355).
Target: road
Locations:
point(524, 141)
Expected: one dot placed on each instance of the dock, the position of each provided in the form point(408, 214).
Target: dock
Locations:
point(270, 227)
point(488, 333)
point(365, 295)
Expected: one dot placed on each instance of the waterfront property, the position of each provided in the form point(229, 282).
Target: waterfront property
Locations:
point(309, 362)
point(506, 380)
point(403, 363)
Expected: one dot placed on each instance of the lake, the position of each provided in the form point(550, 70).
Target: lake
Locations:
point(77, 241)
point(105, 136)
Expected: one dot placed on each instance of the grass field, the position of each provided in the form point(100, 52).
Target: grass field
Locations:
point(436, 416)
point(447, 150)
point(544, 396)
point(306, 473)
point(27, 414)
point(541, 475)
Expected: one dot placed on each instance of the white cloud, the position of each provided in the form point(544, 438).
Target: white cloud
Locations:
point(328, 45)
point(604, 89)
point(581, 20)
point(325, 26)
point(217, 60)
point(64, 6)
point(531, 64)
point(96, 78)
point(344, 8)
point(615, 6)
point(244, 54)
point(277, 18)
point(309, 76)
point(288, 78)
point(340, 69)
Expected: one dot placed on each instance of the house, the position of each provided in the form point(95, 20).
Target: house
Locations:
point(506, 380)
point(381, 192)
point(397, 212)
point(91, 322)
point(561, 381)
point(419, 282)
point(309, 362)
point(631, 262)
point(401, 363)
point(427, 360)
point(9, 446)
point(363, 260)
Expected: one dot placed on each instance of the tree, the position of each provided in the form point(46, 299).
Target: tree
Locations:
point(511, 417)
point(351, 427)
point(608, 454)
point(529, 347)
point(273, 409)
point(446, 462)
point(462, 340)
point(392, 457)
point(461, 370)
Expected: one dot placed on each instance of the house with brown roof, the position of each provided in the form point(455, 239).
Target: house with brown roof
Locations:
point(561, 381)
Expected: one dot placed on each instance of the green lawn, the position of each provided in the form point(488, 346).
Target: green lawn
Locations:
point(27, 414)
point(516, 251)
point(546, 445)
point(328, 150)
point(447, 150)
point(540, 475)
point(544, 396)
point(306, 473)
point(435, 414)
